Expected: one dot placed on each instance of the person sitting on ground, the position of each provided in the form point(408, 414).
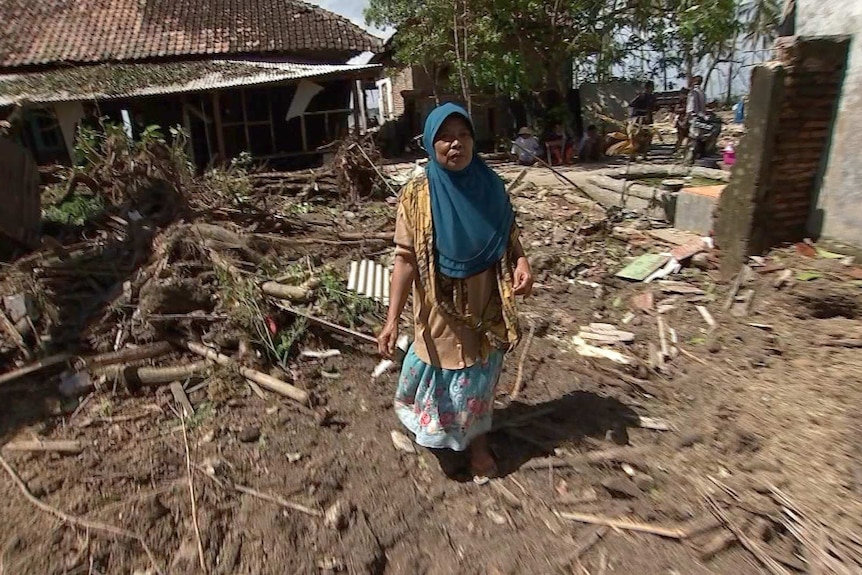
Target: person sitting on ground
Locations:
point(590, 148)
point(644, 104)
point(559, 145)
point(457, 246)
point(526, 148)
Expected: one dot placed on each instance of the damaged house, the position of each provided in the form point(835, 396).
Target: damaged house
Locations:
point(268, 77)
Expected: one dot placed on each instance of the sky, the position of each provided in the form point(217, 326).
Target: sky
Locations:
point(351, 9)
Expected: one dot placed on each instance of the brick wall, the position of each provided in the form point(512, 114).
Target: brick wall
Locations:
point(813, 73)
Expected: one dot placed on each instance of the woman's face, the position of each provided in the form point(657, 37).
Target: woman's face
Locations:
point(453, 144)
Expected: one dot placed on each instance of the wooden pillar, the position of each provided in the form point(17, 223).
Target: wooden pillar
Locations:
point(187, 126)
point(356, 106)
point(218, 126)
point(363, 110)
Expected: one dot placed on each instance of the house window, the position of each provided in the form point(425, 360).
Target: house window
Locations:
point(247, 122)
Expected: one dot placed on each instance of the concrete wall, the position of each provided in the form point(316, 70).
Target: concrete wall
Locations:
point(838, 213)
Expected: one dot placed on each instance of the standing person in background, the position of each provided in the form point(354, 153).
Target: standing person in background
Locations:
point(680, 120)
point(644, 104)
point(526, 148)
point(457, 246)
point(696, 98)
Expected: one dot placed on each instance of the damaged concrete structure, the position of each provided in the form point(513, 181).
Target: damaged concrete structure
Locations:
point(795, 176)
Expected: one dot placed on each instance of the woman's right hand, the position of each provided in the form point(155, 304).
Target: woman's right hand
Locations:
point(387, 339)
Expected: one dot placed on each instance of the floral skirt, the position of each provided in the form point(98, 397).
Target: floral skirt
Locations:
point(447, 408)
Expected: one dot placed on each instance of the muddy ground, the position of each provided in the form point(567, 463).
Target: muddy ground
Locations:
point(748, 407)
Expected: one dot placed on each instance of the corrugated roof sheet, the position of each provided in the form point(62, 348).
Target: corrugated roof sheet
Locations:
point(44, 32)
point(104, 81)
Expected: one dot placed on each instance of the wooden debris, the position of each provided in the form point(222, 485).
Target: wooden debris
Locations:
point(14, 335)
point(662, 336)
point(587, 350)
point(742, 306)
point(691, 356)
point(278, 500)
point(605, 334)
point(851, 343)
point(782, 279)
point(77, 521)
point(740, 280)
point(329, 325)
point(669, 533)
point(262, 379)
point(194, 509)
point(717, 544)
point(644, 302)
point(752, 547)
point(702, 526)
point(679, 288)
point(299, 293)
point(152, 376)
point(182, 400)
point(36, 367)
point(519, 379)
point(654, 424)
point(402, 442)
point(584, 544)
point(65, 447)
point(506, 494)
point(129, 355)
point(707, 317)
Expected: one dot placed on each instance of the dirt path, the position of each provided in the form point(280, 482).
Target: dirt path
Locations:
point(749, 407)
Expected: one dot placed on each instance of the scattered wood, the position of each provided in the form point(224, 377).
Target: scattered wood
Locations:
point(329, 325)
point(36, 367)
point(129, 355)
point(78, 521)
point(300, 293)
point(752, 547)
point(662, 336)
point(15, 335)
point(703, 526)
point(195, 525)
point(717, 544)
point(740, 280)
point(605, 334)
point(851, 343)
point(584, 544)
point(632, 455)
point(691, 356)
point(519, 379)
point(742, 306)
point(654, 424)
point(545, 463)
point(506, 494)
point(278, 500)
point(152, 376)
point(516, 181)
point(783, 279)
point(669, 533)
point(707, 317)
point(364, 237)
point(65, 447)
point(182, 399)
point(262, 379)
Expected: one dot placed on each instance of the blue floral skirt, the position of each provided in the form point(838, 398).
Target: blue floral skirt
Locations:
point(447, 408)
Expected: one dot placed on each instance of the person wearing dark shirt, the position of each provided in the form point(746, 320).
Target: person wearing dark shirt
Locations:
point(644, 104)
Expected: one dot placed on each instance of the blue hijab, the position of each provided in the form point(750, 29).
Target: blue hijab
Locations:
point(470, 209)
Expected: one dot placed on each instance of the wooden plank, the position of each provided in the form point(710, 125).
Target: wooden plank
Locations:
point(218, 126)
point(182, 399)
point(60, 446)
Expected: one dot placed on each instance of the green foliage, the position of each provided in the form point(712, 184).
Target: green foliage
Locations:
point(349, 306)
point(77, 210)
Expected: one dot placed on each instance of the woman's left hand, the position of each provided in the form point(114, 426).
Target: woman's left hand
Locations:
point(523, 277)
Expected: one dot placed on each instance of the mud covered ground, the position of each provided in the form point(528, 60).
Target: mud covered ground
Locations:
point(747, 407)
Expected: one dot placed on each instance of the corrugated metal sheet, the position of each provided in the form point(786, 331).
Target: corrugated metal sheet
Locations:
point(136, 80)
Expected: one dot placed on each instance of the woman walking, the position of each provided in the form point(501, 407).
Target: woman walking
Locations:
point(457, 246)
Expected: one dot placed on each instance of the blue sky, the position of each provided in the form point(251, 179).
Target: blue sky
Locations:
point(350, 8)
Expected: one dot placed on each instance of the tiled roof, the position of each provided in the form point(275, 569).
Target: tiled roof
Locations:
point(110, 81)
point(38, 32)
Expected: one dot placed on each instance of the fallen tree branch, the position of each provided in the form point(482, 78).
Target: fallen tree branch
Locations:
point(15, 335)
point(669, 533)
point(329, 325)
point(262, 379)
point(77, 521)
